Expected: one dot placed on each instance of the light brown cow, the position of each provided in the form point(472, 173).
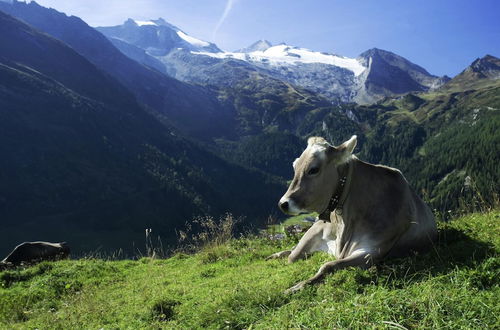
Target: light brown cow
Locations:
point(367, 212)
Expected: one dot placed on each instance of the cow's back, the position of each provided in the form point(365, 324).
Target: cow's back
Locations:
point(384, 209)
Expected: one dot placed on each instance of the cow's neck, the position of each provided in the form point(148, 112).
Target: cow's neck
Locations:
point(341, 192)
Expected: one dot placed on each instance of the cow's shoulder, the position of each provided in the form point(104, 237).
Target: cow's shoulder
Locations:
point(382, 172)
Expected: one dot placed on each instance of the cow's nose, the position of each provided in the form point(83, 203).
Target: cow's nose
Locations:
point(284, 206)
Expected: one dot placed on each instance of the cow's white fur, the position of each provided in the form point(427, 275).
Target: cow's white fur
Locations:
point(353, 236)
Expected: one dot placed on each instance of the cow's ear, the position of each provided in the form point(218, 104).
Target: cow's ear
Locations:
point(341, 153)
point(349, 145)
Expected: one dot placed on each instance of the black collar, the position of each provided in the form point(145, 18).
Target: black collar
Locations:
point(336, 201)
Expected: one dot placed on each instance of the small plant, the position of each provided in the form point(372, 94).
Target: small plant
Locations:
point(206, 232)
point(154, 251)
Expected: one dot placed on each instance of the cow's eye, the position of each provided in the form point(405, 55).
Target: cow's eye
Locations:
point(313, 171)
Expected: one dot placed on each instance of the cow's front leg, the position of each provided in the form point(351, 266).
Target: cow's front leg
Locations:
point(315, 239)
point(281, 254)
point(361, 259)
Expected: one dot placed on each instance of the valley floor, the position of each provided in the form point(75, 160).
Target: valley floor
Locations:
point(232, 286)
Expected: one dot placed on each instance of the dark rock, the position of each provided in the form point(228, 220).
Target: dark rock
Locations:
point(29, 252)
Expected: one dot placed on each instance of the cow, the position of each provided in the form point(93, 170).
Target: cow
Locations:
point(366, 212)
point(28, 252)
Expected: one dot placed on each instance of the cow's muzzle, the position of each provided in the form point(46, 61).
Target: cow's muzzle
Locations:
point(288, 206)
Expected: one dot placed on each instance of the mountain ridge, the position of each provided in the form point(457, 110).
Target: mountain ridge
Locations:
point(333, 76)
point(480, 73)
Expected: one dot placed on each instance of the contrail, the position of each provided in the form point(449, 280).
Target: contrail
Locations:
point(229, 6)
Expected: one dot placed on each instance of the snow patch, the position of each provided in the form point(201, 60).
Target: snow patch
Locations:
point(285, 54)
point(193, 41)
point(142, 23)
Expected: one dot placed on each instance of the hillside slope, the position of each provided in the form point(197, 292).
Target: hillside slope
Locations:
point(231, 286)
point(185, 106)
point(83, 162)
point(447, 144)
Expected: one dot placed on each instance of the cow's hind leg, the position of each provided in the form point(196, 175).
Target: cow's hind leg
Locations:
point(362, 259)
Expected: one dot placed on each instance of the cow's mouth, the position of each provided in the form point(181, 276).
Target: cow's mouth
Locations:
point(288, 206)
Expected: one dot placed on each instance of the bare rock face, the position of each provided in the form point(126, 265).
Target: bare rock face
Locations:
point(389, 74)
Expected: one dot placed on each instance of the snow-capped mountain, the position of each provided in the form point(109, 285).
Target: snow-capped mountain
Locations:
point(156, 37)
point(365, 79)
point(261, 45)
point(289, 55)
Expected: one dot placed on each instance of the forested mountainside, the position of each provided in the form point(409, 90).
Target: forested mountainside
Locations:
point(184, 106)
point(81, 158)
point(445, 142)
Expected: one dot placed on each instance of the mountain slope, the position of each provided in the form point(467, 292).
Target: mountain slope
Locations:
point(81, 159)
point(389, 74)
point(446, 143)
point(157, 37)
point(481, 73)
point(187, 107)
point(395, 131)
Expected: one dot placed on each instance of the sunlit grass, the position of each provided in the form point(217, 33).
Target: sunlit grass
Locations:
point(230, 285)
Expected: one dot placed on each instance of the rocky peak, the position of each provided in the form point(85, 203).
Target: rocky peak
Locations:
point(260, 45)
point(487, 67)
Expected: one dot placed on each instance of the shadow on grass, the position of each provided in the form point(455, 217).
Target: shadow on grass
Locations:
point(453, 251)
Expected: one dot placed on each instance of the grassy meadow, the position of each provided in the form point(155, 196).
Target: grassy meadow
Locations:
point(228, 284)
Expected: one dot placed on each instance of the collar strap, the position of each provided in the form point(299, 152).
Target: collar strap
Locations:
point(340, 195)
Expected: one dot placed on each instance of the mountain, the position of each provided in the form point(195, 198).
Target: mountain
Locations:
point(258, 46)
point(245, 102)
point(185, 106)
point(257, 101)
point(118, 155)
point(391, 74)
point(157, 37)
point(83, 162)
point(481, 73)
point(446, 142)
point(329, 75)
point(373, 75)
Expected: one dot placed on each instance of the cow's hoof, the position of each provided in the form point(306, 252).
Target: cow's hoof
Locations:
point(296, 288)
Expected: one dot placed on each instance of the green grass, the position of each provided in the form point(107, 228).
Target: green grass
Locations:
point(231, 286)
point(295, 220)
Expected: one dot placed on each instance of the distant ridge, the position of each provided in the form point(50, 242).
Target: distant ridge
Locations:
point(482, 72)
point(372, 76)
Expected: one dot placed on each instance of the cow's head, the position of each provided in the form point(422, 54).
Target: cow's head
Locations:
point(316, 176)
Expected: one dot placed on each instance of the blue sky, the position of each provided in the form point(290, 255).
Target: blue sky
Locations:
point(443, 36)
